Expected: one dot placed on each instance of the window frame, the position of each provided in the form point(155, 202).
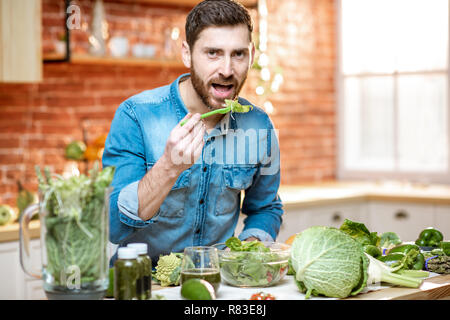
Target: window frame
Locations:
point(343, 173)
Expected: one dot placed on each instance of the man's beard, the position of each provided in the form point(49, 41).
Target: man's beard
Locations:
point(202, 89)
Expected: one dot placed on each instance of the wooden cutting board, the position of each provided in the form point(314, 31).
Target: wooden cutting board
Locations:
point(431, 289)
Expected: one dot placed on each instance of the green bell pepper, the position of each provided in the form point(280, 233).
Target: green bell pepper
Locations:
point(445, 246)
point(429, 237)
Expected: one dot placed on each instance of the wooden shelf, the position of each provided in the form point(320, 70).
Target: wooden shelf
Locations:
point(127, 61)
point(188, 3)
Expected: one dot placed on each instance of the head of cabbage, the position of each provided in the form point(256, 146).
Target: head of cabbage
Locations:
point(328, 262)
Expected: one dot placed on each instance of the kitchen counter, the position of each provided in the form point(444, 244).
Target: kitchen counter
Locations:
point(433, 288)
point(304, 195)
point(335, 192)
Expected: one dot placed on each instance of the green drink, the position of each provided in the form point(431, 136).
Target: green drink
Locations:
point(126, 274)
point(208, 274)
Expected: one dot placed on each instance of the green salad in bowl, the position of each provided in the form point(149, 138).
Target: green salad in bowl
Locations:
point(252, 263)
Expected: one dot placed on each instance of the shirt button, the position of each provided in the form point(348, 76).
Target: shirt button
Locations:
point(201, 201)
point(204, 169)
point(197, 231)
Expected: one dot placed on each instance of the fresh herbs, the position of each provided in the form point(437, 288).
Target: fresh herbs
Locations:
point(230, 105)
point(251, 263)
point(76, 223)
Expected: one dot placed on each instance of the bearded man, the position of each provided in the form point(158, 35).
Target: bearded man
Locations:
point(186, 185)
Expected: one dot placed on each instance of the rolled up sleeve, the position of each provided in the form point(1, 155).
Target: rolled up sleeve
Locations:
point(128, 204)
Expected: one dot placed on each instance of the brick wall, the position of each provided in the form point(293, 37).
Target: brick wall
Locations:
point(38, 120)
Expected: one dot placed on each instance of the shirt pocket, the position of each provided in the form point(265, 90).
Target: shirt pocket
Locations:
point(234, 179)
point(173, 205)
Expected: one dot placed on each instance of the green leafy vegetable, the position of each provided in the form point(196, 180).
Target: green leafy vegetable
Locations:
point(411, 257)
point(389, 240)
point(328, 261)
point(251, 263)
point(254, 246)
point(75, 222)
point(360, 233)
point(230, 105)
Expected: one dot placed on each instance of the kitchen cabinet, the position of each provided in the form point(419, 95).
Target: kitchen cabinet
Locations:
point(406, 219)
point(20, 41)
point(442, 220)
point(15, 284)
point(295, 220)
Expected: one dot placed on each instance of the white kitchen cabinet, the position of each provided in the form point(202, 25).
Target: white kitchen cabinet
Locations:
point(442, 220)
point(405, 219)
point(332, 215)
point(15, 284)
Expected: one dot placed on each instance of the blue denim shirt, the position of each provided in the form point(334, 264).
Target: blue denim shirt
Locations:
point(240, 158)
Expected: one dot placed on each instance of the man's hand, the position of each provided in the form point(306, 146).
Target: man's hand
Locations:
point(185, 144)
point(183, 148)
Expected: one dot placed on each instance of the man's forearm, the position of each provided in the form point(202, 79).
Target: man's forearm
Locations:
point(154, 188)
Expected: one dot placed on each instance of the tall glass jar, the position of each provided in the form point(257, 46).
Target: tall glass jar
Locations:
point(74, 223)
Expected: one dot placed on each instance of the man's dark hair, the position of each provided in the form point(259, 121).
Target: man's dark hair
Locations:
point(215, 13)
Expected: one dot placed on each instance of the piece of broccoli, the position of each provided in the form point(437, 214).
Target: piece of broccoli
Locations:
point(168, 269)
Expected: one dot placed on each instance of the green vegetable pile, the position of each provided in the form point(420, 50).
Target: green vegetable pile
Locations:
point(75, 222)
point(328, 261)
point(401, 258)
point(251, 263)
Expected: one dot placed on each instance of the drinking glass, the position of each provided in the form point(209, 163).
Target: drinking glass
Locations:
point(201, 262)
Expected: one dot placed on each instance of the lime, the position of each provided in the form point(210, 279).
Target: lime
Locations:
point(197, 289)
point(6, 213)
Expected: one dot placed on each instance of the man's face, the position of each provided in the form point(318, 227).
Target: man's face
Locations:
point(220, 61)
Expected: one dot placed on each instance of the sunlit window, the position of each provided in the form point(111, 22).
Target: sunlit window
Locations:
point(393, 76)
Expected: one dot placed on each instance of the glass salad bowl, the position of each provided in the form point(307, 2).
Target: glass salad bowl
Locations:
point(254, 268)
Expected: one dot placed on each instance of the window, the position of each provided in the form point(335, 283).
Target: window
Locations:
point(393, 84)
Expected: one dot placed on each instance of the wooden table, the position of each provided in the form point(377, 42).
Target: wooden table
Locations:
point(431, 289)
